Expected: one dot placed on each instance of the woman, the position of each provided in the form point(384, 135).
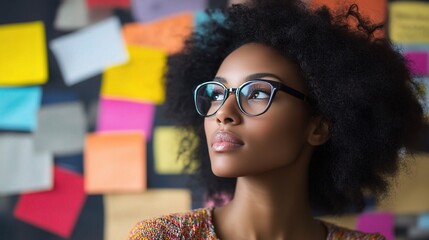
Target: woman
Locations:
point(296, 110)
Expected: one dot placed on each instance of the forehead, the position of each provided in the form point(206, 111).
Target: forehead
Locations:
point(252, 58)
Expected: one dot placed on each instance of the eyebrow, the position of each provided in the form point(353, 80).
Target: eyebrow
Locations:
point(250, 77)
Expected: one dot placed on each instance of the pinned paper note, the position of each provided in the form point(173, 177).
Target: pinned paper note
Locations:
point(166, 150)
point(375, 10)
point(123, 211)
point(168, 33)
point(18, 107)
point(409, 22)
point(141, 79)
point(61, 129)
point(109, 3)
point(23, 57)
point(383, 223)
point(87, 52)
point(21, 169)
point(55, 211)
point(418, 62)
point(115, 162)
point(139, 116)
point(423, 221)
point(150, 10)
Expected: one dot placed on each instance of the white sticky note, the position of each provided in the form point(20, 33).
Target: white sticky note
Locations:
point(62, 128)
point(22, 169)
point(87, 52)
point(72, 14)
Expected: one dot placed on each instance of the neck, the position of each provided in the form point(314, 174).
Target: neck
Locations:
point(269, 206)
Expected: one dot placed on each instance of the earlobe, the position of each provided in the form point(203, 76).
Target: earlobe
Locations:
point(319, 132)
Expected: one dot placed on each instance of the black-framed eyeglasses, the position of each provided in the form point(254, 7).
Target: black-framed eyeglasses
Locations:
point(253, 97)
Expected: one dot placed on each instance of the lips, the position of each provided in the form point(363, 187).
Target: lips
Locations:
point(224, 141)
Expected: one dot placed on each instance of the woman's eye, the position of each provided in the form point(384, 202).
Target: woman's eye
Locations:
point(259, 94)
point(217, 96)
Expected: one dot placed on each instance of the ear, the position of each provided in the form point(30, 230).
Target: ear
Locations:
point(319, 131)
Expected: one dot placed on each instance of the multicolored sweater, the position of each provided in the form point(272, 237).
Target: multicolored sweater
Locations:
point(197, 224)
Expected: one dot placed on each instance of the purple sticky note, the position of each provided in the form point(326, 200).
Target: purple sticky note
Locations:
point(382, 223)
point(418, 62)
point(124, 115)
point(150, 10)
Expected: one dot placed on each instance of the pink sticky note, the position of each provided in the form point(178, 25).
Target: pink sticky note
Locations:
point(57, 210)
point(124, 115)
point(382, 223)
point(418, 62)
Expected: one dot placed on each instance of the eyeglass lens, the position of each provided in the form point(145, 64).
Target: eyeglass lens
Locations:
point(253, 97)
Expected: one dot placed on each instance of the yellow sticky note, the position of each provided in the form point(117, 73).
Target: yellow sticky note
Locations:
point(166, 142)
point(23, 58)
point(123, 211)
point(409, 22)
point(141, 79)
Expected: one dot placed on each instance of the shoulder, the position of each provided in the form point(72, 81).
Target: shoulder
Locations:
point(192, 224)
point(336, 232)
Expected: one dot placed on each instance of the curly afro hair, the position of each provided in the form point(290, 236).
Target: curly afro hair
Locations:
point(358, 82)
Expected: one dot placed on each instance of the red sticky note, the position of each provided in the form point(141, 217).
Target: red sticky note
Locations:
point(138, 116)
point(418, 62)
point(57, 210)
point(108, 3)
point(377, 223)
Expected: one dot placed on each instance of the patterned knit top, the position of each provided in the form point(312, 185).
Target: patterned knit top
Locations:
point(197, 224)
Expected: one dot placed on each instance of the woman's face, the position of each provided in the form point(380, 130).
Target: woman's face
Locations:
point(241, 145)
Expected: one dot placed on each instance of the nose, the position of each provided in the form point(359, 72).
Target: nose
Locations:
point(229, 113)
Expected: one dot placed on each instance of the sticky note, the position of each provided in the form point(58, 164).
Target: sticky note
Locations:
point(408, 22)
point(423, 221)
point(108, 3)
point(418, 62)
point(87, 52)
point(71, 15)
point(19, 107)
point(23, 57)
point(139, 116)
point(383, 223)
point(62, 128)
point(115, 162)
point(375, 10)
point(22, 169)
point(201, 17)
point(150, 10)
point(168, 33)
point(57, 210)
point(123, 211)
point(141, 79)
point(166, 149)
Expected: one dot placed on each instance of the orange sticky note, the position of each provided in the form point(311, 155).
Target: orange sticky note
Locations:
point(374, 9)
point(115, 162)
point(168, 33)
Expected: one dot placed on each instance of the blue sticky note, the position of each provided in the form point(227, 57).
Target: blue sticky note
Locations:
point(201, 17)
point(19, 107)
point(423, 221)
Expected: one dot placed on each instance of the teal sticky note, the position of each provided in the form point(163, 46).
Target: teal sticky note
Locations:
point(19, 107)
point(201, 17)
point(423, 221)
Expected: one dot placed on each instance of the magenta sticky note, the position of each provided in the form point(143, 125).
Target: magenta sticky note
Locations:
point(383, 223)
point(125, 115)
point(57, 210)
point(418, 62)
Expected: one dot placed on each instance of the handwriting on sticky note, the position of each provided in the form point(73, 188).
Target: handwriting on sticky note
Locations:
point(409, 22)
